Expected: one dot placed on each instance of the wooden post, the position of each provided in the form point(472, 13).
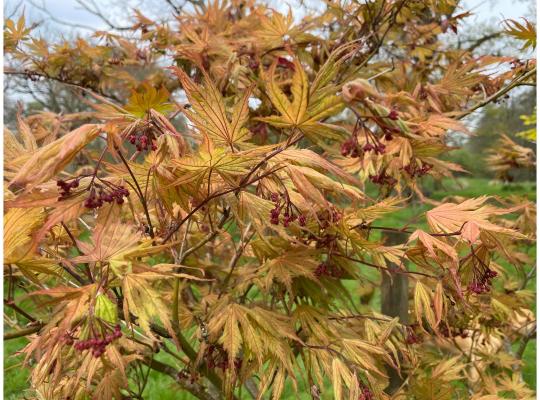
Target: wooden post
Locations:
point(394, 301)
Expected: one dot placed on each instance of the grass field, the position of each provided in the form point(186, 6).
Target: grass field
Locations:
point(162, 388)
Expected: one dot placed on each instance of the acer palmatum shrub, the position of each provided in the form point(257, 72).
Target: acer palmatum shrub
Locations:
point(224, 199)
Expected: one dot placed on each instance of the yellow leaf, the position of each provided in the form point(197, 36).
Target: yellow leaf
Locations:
point(146, 99)
point(422, 305)
point(51, 159)
point(208, 111)
point(525, 32)
point(145, 302)
point(19, 224)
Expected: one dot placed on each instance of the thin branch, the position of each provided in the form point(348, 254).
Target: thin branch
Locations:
point(98, 13)
point(207, 238)
point(393, 271)
point(359, 316)
point(514, 83)
point(478, 42)
point(212, 197)
point(53, 18)
point(193, 387)
point(238, 253)
point(524, 341)
point(31, 74)
point(19, 310)
point(139, 193)
point(22, 332)
point(528, 277)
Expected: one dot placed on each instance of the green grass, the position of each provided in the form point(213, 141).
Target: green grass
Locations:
point(163, 388)
point(15, 377)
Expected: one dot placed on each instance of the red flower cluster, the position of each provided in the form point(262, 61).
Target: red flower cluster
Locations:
point(97, 345)
point(326, 269)
point(383, 179)
point(412, 337)
point(349, 148)
point(115, 194)
point(65, 187)
point(482, 283)
point(100, 193)
point(288, 215)
point(216, 356)
point(414, 170)
point(142, 142)
point(365, 393)
point(377, 148)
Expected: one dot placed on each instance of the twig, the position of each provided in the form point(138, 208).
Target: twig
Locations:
point(516, 82)
point(193, 387)
point(238, 253)
point(212, 197)
point(396, 271)
point(139, 193)
point(524, 342)
point(22, 332)
point(19, 310)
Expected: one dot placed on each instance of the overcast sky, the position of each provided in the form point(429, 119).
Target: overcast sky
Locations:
point(492, 11)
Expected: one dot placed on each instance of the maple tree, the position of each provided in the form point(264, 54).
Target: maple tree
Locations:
point(223, 201)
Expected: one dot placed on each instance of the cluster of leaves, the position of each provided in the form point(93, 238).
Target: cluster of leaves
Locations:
point(506, 155)
point(235, 244)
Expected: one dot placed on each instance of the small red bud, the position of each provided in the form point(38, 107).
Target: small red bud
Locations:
point(393, 115)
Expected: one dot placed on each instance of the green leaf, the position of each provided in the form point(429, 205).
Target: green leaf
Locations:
point(105, 309)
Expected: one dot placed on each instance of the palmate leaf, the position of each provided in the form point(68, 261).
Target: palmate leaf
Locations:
point(19, 224)
point(273, 30)
point(452, 217)
point(51, 159)
point(146, 99)
point(110, 244)
point(15, 32)
point(145, 302)
point(209, 113)
point(432, 244)
point(261, 333)
point(307, 109)
point(200, 168)
point(525, 32)
point(295, 262)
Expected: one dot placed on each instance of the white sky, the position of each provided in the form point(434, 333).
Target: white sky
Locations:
point(492, 11)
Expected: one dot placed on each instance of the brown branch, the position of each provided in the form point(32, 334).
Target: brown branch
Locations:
point(514, 83)
point(73, 85)
point(184, 345)
point(524, 341)
point(212, 197)
point(359, 316)
point(238, 253)
point(194, 388)
point(19, 310)
point(87, 269)
point(394, 271)
point(22, 332)
point(478, 42)
point(207, 238)
point(139, 193)
point(98, 13)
